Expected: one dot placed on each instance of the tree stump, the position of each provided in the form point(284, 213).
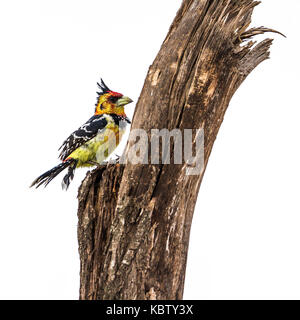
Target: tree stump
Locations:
point(135, 220)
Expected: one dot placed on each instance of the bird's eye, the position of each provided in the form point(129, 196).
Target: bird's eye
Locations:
point(113, 99)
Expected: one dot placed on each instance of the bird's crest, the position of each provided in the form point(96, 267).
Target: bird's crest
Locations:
point(103, 87)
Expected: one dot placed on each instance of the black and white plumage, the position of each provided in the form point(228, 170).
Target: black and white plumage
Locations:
point(85, 133)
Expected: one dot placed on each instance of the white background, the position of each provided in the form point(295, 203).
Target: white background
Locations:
point(245, 236)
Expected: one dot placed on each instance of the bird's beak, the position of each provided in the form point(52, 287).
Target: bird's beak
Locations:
point(123, 101)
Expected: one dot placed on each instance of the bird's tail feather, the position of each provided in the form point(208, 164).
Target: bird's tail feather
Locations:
point(70, 175)
point(48, 176)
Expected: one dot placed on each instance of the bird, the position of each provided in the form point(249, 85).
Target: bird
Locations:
point(94, 141)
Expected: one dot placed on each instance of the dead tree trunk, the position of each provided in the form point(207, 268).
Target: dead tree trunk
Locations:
point(135, 220)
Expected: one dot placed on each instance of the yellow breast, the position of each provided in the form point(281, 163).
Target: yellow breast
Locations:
point(101, 146)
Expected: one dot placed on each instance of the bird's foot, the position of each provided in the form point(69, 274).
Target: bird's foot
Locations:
point(97, 164)
point(116, 160)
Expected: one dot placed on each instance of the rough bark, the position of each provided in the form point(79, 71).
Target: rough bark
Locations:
point(135, 220)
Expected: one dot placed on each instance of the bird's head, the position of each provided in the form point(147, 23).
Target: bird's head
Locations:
point(109, 101)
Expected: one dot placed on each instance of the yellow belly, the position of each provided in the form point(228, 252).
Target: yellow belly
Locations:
point(98, 148)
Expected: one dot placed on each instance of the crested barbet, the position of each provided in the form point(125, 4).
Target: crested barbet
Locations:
point(95, 140)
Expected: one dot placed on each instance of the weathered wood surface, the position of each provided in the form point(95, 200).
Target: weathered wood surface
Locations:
point(135, 220)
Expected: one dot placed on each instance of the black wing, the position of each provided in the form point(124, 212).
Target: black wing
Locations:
point(85, 133)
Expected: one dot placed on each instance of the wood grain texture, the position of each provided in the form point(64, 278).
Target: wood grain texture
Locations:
point(135, 220)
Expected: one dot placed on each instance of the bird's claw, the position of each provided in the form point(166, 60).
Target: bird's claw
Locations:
point(97, 164)
point(115, 161)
